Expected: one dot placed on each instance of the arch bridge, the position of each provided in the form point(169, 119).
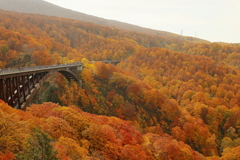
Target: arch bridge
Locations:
point(19, 85)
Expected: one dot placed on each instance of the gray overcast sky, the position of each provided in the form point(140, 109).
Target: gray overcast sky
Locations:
point(213, 20)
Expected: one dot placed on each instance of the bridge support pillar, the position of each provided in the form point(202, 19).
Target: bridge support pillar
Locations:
point(23, 90)
point(28, 85)
point(2, 90)
point(18, 96)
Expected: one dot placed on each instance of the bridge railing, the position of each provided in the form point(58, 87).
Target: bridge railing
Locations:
point(31, 68)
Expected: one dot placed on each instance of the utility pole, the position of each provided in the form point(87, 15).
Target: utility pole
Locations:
point(182, 34)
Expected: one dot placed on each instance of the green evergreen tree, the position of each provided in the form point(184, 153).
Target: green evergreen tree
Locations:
point(38, 147)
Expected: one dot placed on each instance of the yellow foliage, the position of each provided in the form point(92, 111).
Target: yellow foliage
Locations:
point(74, 151)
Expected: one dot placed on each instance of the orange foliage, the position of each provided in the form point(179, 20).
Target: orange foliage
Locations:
point(13, 131)
point(163, 85)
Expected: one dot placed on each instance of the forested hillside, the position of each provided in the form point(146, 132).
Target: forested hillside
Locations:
point(169, 98)
point(45, 8)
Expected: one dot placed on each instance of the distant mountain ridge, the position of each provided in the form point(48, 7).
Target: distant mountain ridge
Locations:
point(46, 8)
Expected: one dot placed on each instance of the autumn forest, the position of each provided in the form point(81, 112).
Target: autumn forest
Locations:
point(170, 97)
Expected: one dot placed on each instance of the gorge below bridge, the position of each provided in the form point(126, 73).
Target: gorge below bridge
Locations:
point(19, 85)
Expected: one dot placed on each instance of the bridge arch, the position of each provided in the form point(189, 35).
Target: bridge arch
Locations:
point(69, 75)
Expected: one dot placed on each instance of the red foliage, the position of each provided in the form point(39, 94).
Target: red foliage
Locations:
point(7, 156)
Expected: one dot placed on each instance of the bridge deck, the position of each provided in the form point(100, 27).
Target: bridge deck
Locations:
point(14, 71)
